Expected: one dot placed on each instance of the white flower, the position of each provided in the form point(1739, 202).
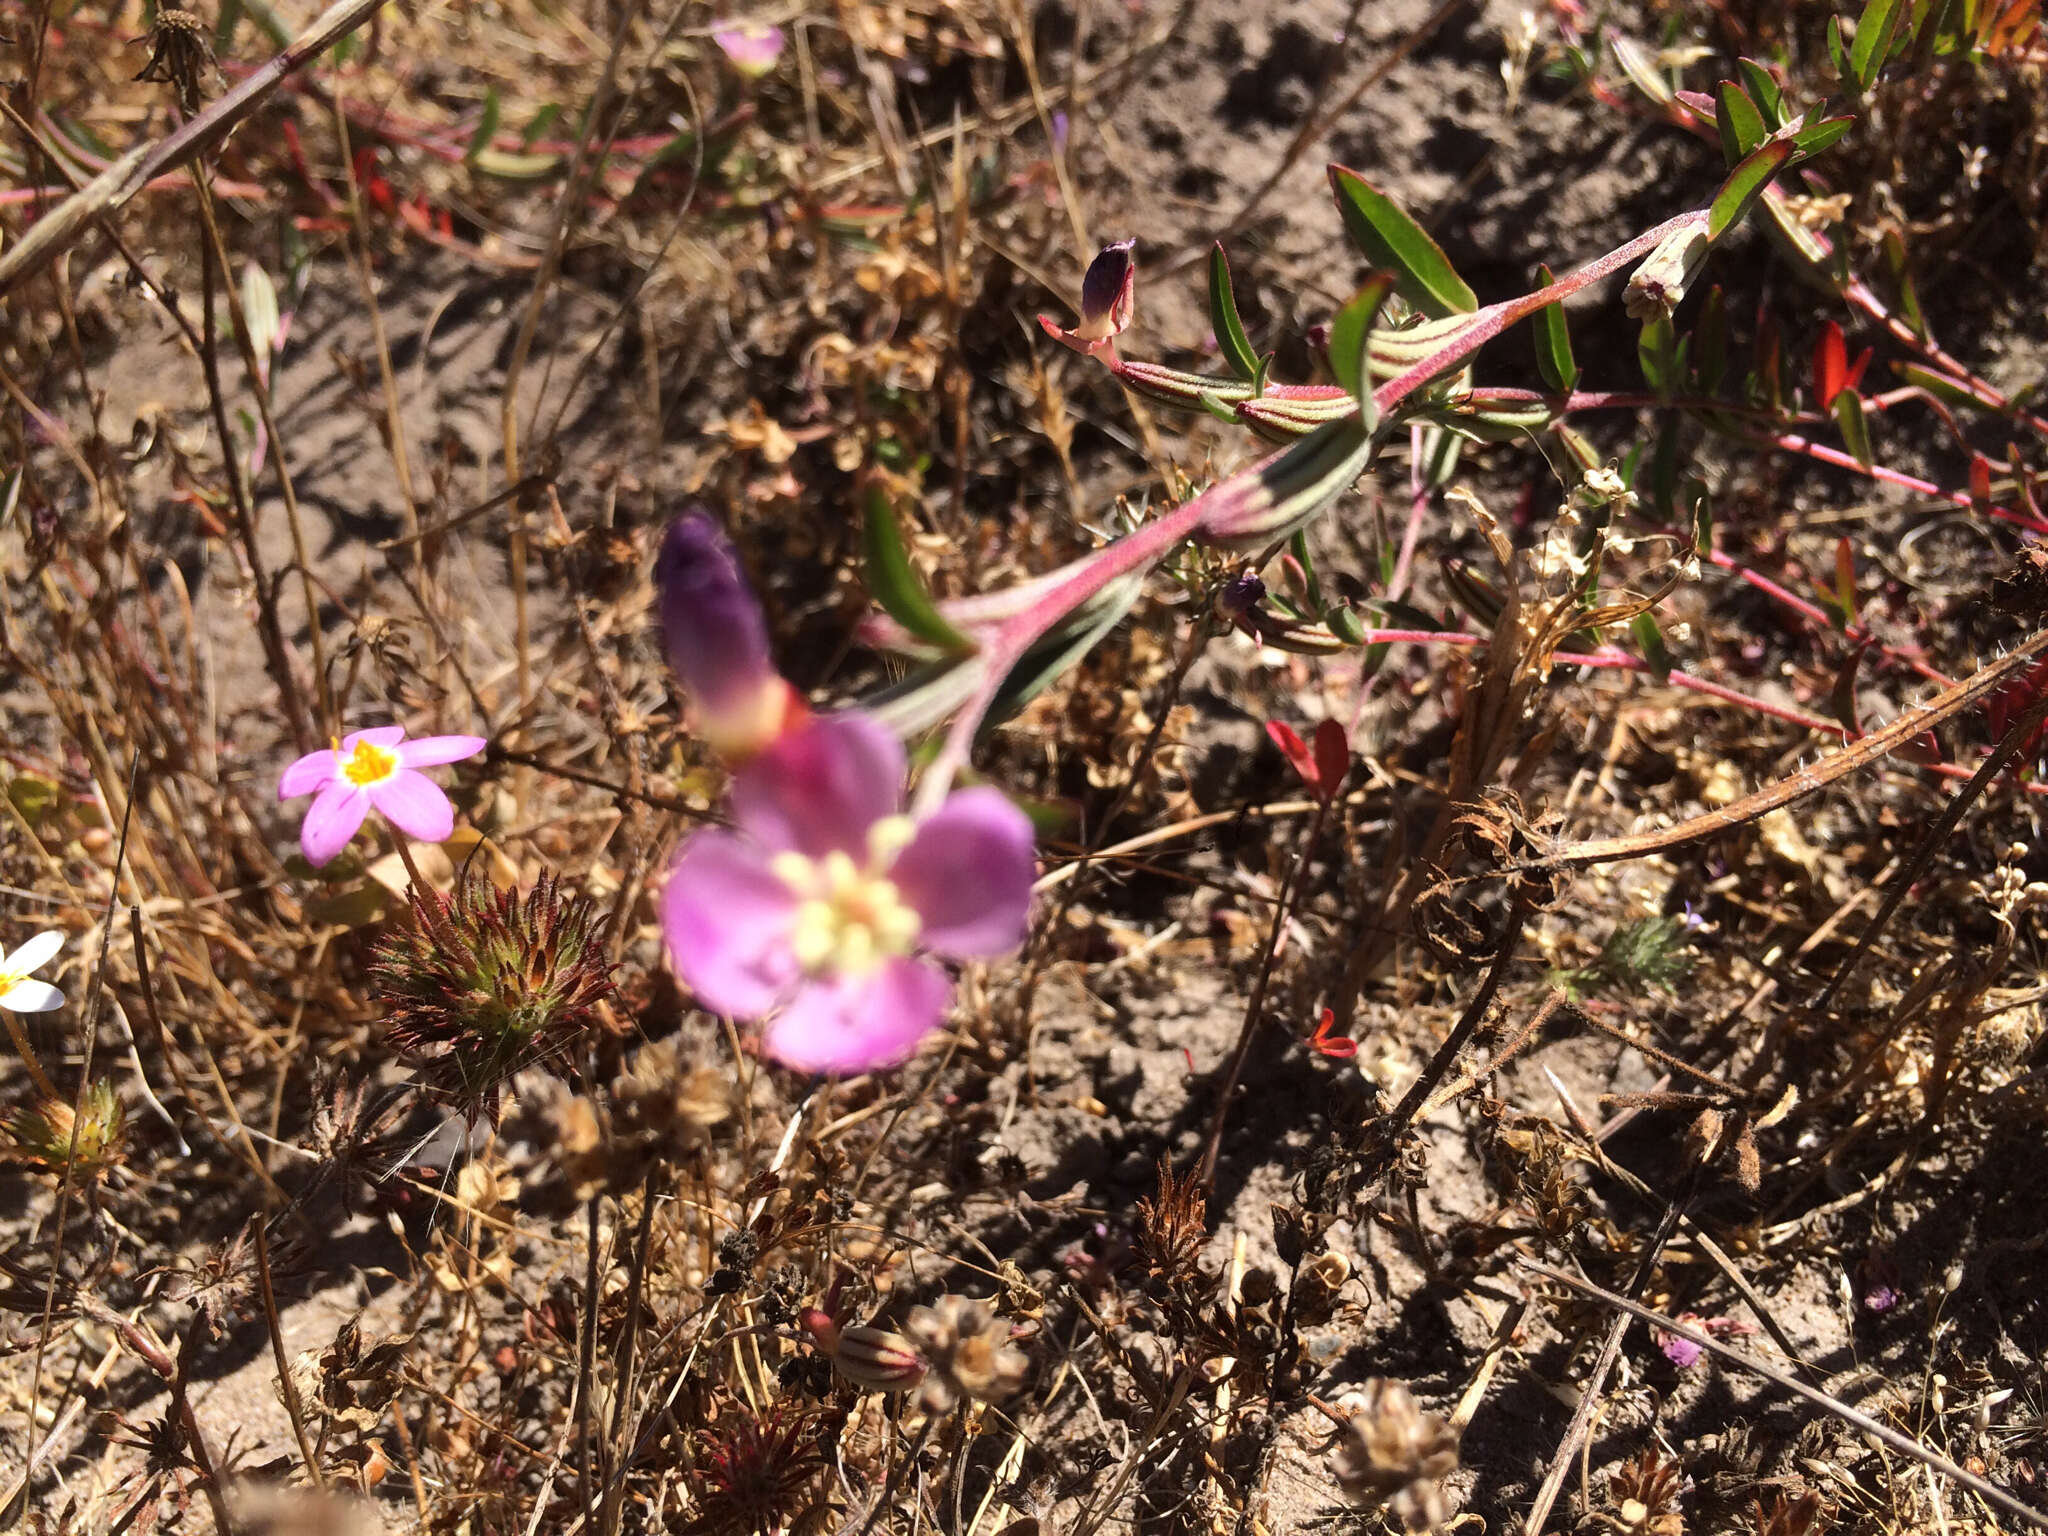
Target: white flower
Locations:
point(19, 994)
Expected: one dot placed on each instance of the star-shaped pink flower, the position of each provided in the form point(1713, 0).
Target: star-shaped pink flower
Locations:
point(376, 769)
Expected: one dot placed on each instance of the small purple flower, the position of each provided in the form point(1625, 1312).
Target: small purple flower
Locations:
point(1681, 1352)
point(752, 50)
point(375, 768)
point(818, 907)
point(718, 641)
point(1109, 299)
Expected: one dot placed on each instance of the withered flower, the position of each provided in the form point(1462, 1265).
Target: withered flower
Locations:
point(876, 1359)
point(180, 54)
point(93, 1138)
point(968, 1351)
point(481, 984)
point(1391, 1451)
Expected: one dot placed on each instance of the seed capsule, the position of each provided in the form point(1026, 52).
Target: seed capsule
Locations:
point(878, 1359)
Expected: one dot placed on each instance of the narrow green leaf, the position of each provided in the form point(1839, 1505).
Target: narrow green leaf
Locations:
point(1231, 340)
point(1873, 40)
point(1855, 430)
point(1650, 640)
point(1554, 344)
point(1710, 345)
point(1312, 586)
point(543, 120)
point(1939, 385)
point(1656, 351)
point(894, 582)
point(1390, 238)
point(1574, 443)
point(1745, 184)
point(1838, 51)
point(224, 28)
point(1664, 469)
point(1259, 378)
point(1741, 124)
point(1763, 90)
point(486, 126)
point(1815, 137)
point(1909, 296)
point(1351, 332)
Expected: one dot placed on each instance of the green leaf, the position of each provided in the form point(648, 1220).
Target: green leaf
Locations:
point(1052, 656)
point(486, 126)
point(1939, 385)
point(1763, 90)
point(1745, 184)
point(1838, 52)
point(1855, 430)
point(1390, 238)
point(1351, 333)
point(1656, 351)
point(1873, 40)
point(1554, 344)
point(1815, 137)
point(508, 166)
point(34, 797)
point(1710, 345)
point(1741, 124)
point(893, 581)
point(1231, 340)
point(1650, 640)
point(224, 28)
point(543, 120)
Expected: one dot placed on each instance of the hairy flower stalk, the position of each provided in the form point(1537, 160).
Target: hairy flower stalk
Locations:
point(482, 983)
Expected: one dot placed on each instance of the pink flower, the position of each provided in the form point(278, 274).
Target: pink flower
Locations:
point(816, 911)
point(374, 768)
point(753, 50)
point(1109, 298)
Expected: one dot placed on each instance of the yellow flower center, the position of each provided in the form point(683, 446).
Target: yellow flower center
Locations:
point(850, 917)
point(369, 764)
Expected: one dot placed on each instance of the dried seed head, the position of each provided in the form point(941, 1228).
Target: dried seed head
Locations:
point(970, 1353)
point(180, 55)
point(480, 983)
point(1316, 1291)
point(93, 1139)
point(877, 1359)
point(1393, 1452)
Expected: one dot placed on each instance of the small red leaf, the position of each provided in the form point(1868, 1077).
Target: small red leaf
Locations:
point(1830, 366)
point(1333, 758)
point(1284, 737)
point(1980, 480)
point(1854, 376)
point(1336, 1047)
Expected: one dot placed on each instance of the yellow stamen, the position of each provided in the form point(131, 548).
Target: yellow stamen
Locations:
point(849, 917)
point(369, 764)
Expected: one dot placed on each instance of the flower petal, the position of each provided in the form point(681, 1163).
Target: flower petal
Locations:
point(331, 820)
point(385, 736)
point(821, 786)
point(31, 997)
point(308, 774)
point(727, 917)
point(968, 873)
point(415, 805)
point(848, 1024)
point(35, 953)
point(427, 751)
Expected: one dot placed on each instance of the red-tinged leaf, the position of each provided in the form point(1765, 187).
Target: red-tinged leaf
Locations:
point(1924, 750)
point(1854, 378)
point(1980, 480)
point(1333, 757)
point(1296, 752)
point(1745, 184)
point(1830, 366)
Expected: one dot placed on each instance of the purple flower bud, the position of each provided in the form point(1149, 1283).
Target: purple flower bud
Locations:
point(1242, 594)
point(1108, 293)
point(718, 641)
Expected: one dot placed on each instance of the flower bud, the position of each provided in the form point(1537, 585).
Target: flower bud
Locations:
point(752, 50)
point(877, 1359)
point(1108, 299)
point(718, 641)
point(1655, 287)
point(1109, 293)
